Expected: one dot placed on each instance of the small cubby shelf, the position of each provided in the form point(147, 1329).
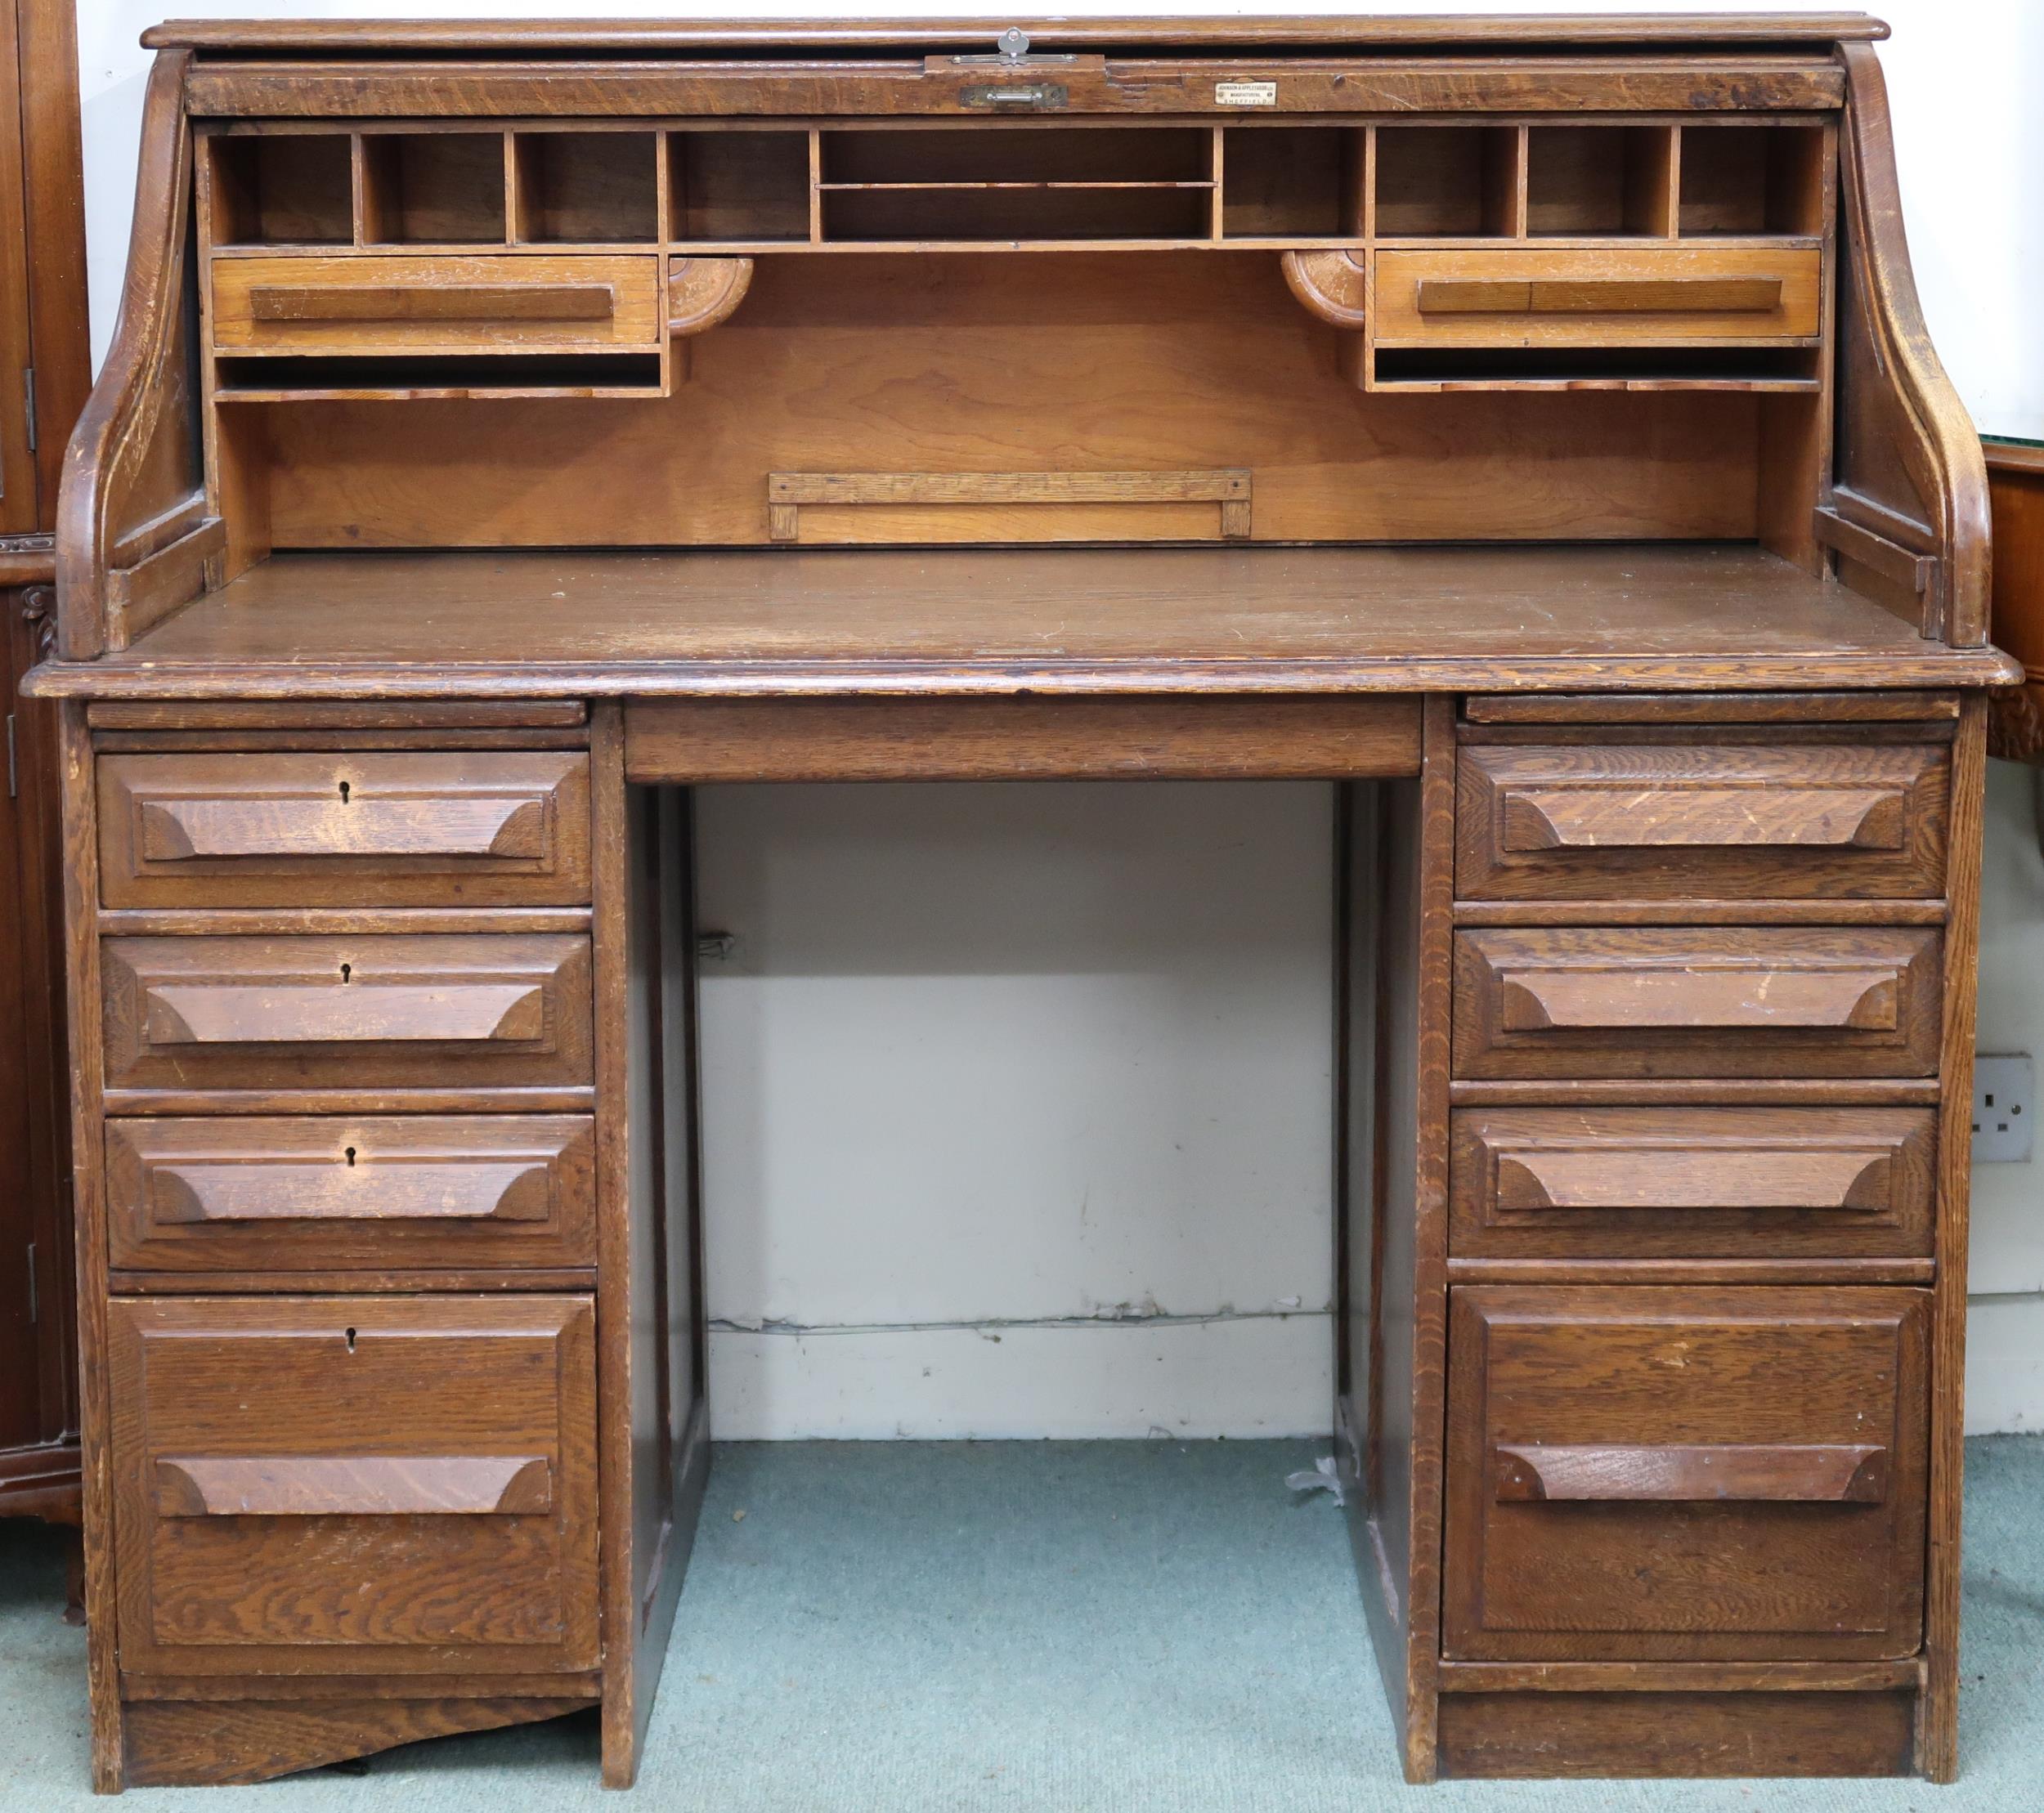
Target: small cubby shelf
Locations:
point(731, 187)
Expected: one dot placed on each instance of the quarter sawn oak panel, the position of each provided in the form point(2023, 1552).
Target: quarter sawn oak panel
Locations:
point(1692, 1183)
point(1662, 821)
point(1694, 1474)
point(351, 828)
point(380, 1193)
point(372, 1012)
point(1700, 1002)
point(355, 1485)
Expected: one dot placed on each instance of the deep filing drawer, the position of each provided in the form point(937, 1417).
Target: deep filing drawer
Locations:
point(505, 302)
point(1698, 1001)
point(355, 1485)
point(440, 828)
point(1685, 1475)
point(1695, 820)
point(342, 1191)
point(1692, 1183)
point(1654, 296)
point(346, 1012)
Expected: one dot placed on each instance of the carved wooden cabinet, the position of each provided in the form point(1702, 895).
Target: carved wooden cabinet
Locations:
point(1525, 427)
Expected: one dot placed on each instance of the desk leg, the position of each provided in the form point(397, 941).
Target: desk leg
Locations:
point(655, 1431)
point(1394, 909)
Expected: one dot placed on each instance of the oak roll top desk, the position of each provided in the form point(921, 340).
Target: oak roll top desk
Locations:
point(1526, 425)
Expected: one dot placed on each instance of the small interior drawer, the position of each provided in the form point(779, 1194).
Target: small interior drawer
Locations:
point(1532, 296)
point(1685, 1475)
point(1692, 1183)
point(346, 1012)
point(357, 1485)
point(289, 829)
point(1644, 821)
point(438, 303)
point(340, 1192)
point(1698, 1001)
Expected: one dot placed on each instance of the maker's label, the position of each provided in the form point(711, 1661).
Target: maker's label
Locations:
point(1245, 94)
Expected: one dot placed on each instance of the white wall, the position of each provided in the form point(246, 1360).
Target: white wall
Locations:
point(1019, 1096)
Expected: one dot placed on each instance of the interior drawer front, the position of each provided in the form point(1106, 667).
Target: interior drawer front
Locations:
point(346, 1012)
point(355, 1484)
point(342, 829)
point(1698, 1001)
point(1654, 296)
point(1685, 1475)
point(438, 303)
point(1692, 1183)
point(341, 1191)
point(1662, 821)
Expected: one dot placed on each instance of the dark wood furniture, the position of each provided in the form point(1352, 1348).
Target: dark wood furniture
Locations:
point(1527, 426)
point(2015, 488)
point(44, 371)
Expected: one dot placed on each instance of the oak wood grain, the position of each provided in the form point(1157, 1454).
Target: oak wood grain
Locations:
point(1803, 1557)
point(532, 302)
point(356, 829)
point(711, 740)
point(1657, 296)
point(356, 1413)
point(1691, 1473)
point(1586, 820)
point(1757, 1183)
point(1938, 1720)
point(1642, 1001)
point(368, 1192)
point(470, 624)
point(1660, 1733)
point(207, 1743)
point(273, 1014)
point(358, 1485)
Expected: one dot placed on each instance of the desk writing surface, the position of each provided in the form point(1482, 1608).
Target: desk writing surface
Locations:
point(1404, 619)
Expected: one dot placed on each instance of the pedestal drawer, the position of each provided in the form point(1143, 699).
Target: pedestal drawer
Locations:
point(1692, 1183)
point(345, 1193)
point(1694, 1473)
point(345, 829)
point(334, 1485)
point(1629, 820)
point(1698, 1001)
point(1531, 296)
point(480, 303)
point(346, 1012)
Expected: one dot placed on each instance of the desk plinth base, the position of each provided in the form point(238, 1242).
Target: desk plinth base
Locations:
point(1678, 1734)
point(199, 1743)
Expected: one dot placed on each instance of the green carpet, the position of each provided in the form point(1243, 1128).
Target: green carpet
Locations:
point(932, 1628)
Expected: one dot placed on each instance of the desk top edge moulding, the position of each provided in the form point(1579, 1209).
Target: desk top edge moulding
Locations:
point(1526, 425)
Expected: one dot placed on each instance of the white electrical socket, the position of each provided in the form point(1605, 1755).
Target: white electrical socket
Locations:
point(2004, 1105)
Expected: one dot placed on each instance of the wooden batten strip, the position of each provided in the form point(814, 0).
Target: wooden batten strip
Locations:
point(1230, 487)
point(1918, 572)
point(139, 596)
point(181, 519)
